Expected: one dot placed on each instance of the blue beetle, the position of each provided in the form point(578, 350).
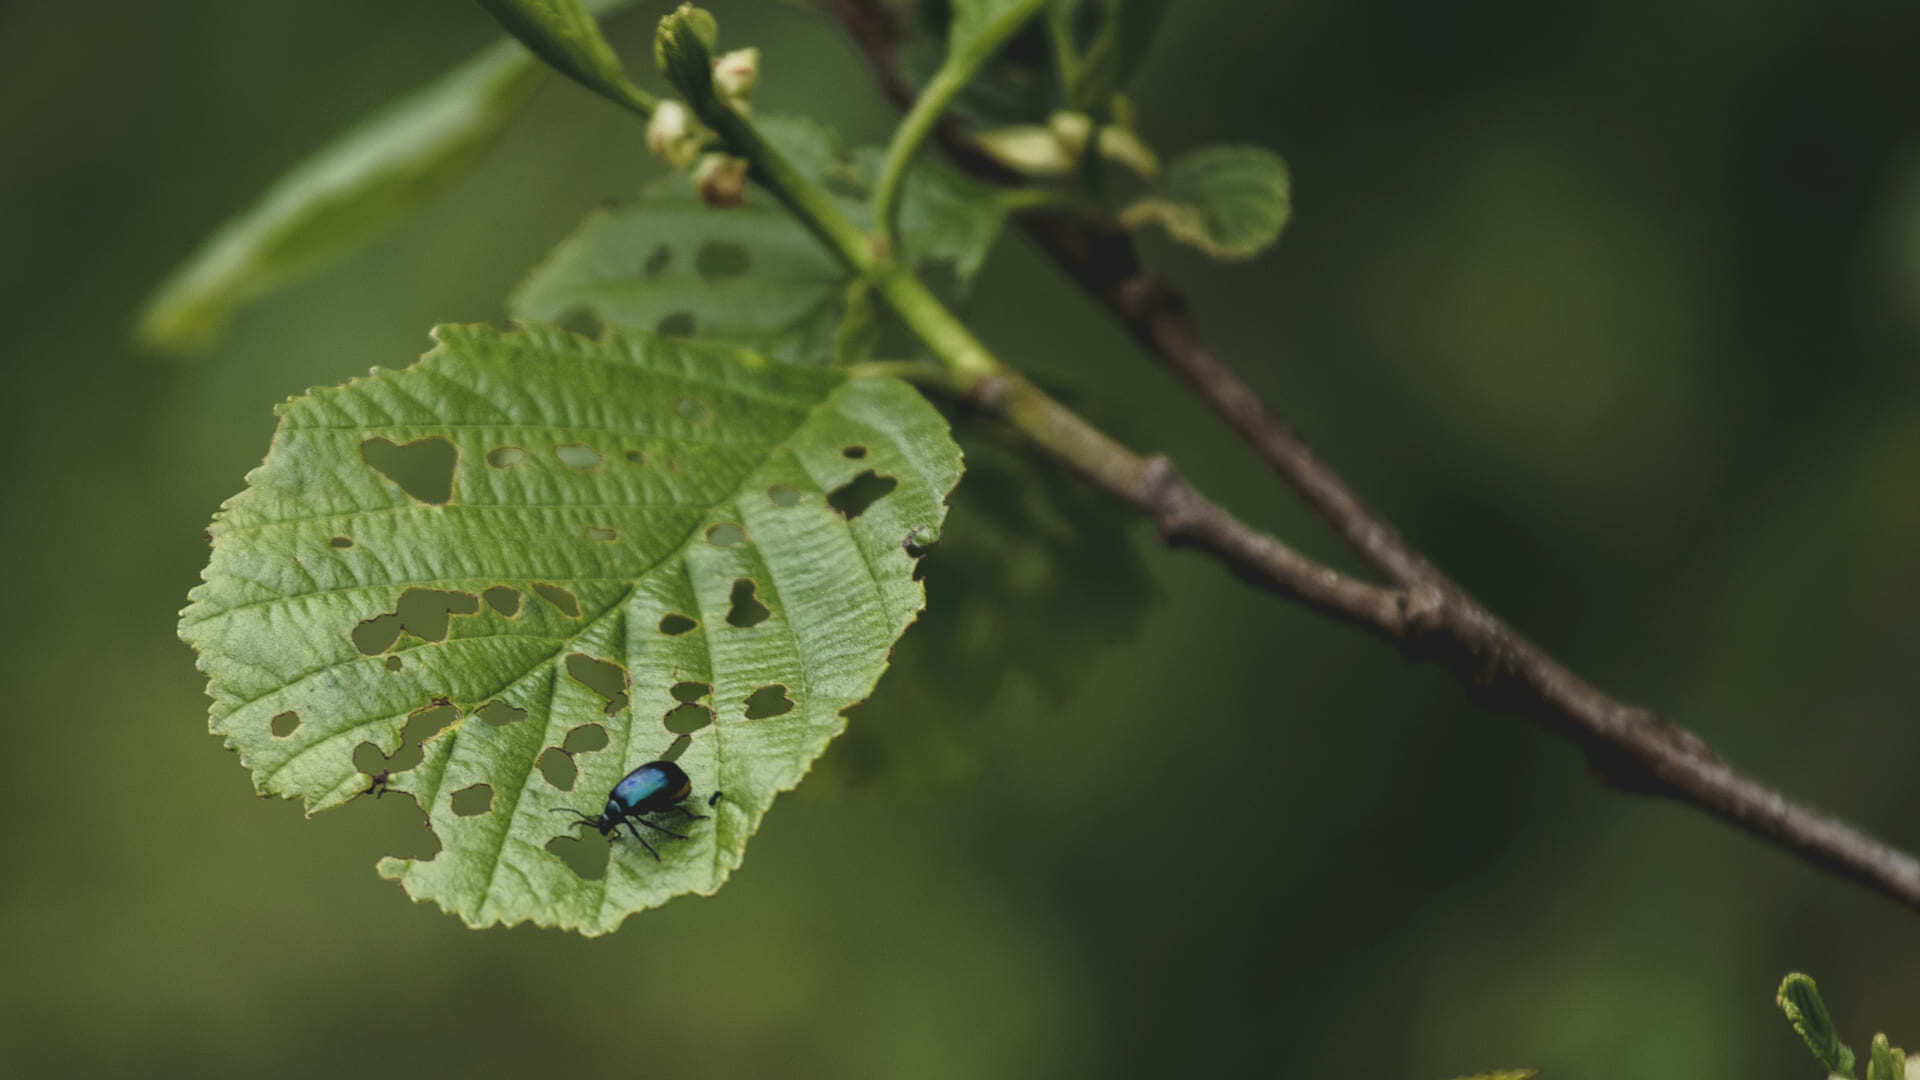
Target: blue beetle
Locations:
point(653, 787)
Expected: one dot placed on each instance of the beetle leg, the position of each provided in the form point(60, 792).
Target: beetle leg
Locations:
point(657, 828)
point(643, 842)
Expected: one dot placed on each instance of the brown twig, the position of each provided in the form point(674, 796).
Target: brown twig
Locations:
point(1428, 617)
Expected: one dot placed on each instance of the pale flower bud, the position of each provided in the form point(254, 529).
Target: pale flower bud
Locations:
point(1121, 145)
point(671, 134)
point(1072, 129)
point(721, 180)
point(736, 73)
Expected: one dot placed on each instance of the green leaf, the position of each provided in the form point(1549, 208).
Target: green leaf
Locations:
point(341, 196)
point(1799, 998)
point(647, 537)
point(1228, 201)
point(979, 26)
point(1886, 1061)
point(566, 35)
point(1035, 578)
point(751, 276)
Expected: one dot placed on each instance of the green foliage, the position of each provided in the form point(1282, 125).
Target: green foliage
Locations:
point(979, 26)
point(566, 35)
point(753, 276)
point(623, 519)
point(1886, 1061)
point(683, 45)
point(1800, 999)
point(342, 195)
point(1229, 201)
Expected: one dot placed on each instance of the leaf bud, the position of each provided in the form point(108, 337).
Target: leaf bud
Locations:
point(736, 73)
point(673, 135)
point(683, 49)
point(721, 180)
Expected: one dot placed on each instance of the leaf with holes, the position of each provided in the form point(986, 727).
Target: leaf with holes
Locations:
point(1229, 201)
point(653, 548)
point(752, 275)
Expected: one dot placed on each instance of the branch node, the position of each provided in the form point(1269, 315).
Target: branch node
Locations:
point(1166, 496)
point(990, 393)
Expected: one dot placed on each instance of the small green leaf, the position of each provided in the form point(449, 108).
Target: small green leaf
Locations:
point(1799, 998)
point(650, 538)
point(751, 276)
point(1886, 1061)
point(683, 45)
point(338, 198)
point(566, 35)
point(1228, 201)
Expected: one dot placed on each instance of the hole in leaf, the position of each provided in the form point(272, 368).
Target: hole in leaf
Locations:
point(472, 801)
point(692, 411)
point(586, 856)
point(687, 718)
point(285, 724)
point(768, 701)
point(675, 624)
point(602, 534)
point(376, 635)
point(637, 457)
point(717, 260)
point(507, 457)
point(747, 610)
point(726, 535)
point(423, 468)
point(563, 599)
point(499, 714)
point(782, 495)
point(340, 542)
point(615, 704)
point(577, 456)
point(600, 676)
point(421, 726)
point(504, 599)
point(425, 613)
point(691, 691)
point(678, 324)
point(368, 759)
point(657, 260)
point(394, 663)
point(676, 748)
point(854, 452)
point(585, 739)
point(558, 768)
point(854, 497)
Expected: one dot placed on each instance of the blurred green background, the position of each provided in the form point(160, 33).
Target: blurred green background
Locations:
point(1615, 309)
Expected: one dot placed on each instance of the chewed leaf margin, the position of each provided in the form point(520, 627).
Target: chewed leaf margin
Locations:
point(733, 492)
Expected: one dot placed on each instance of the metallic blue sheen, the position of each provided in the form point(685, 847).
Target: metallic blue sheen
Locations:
point(653, 787)
point(638, 786)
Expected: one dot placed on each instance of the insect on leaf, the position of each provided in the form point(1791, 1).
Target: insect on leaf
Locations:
point(624, 520)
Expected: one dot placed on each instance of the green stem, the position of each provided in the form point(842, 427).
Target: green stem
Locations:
point(964, 58)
